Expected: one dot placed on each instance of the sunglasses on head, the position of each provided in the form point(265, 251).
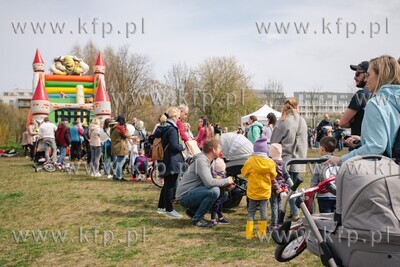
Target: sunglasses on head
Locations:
point(358, 73)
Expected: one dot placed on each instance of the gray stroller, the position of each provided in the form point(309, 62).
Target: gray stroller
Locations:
point(365, 230)
point(236, 149)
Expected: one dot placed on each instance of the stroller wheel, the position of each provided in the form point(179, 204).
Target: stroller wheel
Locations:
point(293, 248)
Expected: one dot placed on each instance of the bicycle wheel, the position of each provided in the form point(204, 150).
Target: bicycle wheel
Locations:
point(155, 177)
point(49, 167)
point(290, 250)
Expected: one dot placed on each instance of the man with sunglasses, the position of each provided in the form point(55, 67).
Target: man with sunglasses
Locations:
point(354, 114)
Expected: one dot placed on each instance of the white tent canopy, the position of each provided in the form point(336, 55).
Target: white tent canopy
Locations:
point(261, 114)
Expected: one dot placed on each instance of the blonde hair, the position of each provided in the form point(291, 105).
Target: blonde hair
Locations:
point(289, 107)
point(96, 121)
point(171, 111)
point(387, 70)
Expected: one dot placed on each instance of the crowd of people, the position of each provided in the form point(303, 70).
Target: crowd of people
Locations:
point(202, 186)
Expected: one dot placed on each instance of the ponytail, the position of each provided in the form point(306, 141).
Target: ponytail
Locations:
point(290, 107)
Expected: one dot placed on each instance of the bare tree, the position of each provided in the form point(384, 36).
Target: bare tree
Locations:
point(127, 78)
point(180, 80)
point(89, 54)
point(273, 94)
point(220, 92)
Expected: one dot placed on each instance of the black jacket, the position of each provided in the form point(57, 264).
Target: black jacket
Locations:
point(173, 159)
point(320, 131)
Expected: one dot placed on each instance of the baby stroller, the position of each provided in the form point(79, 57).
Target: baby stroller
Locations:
point(365, 230)
point(236, 149)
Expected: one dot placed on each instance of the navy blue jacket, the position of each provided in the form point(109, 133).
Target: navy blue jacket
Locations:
point(173, 159)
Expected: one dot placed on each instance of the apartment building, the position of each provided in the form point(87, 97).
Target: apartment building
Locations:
point(19, 98)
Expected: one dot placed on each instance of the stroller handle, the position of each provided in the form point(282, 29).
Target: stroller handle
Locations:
point(299, 161)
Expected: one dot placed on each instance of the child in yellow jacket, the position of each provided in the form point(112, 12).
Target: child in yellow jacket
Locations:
point(259, 170)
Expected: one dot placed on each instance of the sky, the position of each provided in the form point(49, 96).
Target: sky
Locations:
point(339, 33)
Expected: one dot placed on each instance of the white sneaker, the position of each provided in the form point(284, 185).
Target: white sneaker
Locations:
point(97, 174)
point(92, 174)
point(109, 176)
point(160, 211)
point(173, 214)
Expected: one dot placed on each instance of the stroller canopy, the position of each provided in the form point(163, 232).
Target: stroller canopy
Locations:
point(368, 195)
point(236, 148)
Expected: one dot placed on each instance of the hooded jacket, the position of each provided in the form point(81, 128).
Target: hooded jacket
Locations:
point(173, 159)
point(94, 135)
point(255, 131)
point(279, 180)
point(380, 124)
point(119, 142)
point(62, 135)
point(259, 171)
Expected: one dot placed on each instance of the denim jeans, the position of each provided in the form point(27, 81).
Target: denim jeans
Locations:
point(119, 164)
point(292, 202)
point(339, 143)
point(275, 202)
point(95, 151)
point(63, 152)
point(200, 200)
point(108, 160)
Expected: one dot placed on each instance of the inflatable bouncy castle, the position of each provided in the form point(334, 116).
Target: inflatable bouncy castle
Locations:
point(66, 92)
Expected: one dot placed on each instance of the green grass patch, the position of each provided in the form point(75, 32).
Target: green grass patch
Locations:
point(10, 196)
point(90, 209)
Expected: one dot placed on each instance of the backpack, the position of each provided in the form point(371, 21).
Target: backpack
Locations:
point(157, 150)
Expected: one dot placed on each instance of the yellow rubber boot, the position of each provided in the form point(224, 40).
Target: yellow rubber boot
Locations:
point(262, 228)
point(249, 229)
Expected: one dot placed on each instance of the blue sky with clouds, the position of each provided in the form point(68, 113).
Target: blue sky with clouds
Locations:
point(191, 31)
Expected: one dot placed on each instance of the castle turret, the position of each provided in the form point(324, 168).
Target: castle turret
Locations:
point(38, 63)
point(38, 68)
point(102, 105)
point(40, 104)
point(99, 69)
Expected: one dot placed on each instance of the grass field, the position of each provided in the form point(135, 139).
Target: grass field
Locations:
point(86, 221)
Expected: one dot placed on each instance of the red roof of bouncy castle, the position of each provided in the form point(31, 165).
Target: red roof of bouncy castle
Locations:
point(40, 93)
point(38, 57)
point(101, 94)
point(99, 61)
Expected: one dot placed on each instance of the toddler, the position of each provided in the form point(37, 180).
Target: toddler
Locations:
point(259, 170)
point(219, 173)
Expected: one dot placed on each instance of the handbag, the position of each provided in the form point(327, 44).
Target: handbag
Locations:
point(192, 147)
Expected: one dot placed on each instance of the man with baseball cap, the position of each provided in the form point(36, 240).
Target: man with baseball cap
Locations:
point(354, 114)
